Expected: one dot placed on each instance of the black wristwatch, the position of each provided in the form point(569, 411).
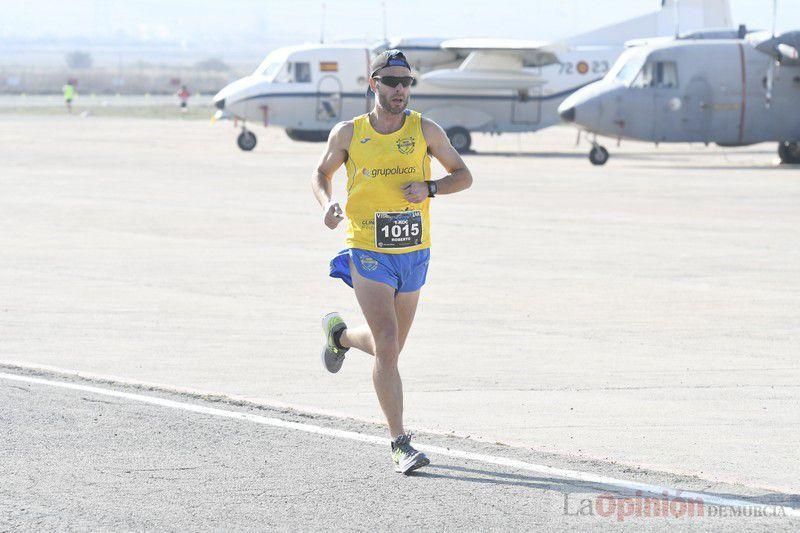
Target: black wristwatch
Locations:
point(432, 189)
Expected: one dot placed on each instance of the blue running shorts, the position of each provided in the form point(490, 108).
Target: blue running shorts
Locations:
point(403, 272)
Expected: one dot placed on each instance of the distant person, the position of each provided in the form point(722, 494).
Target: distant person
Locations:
point(387, 153)
point(69, 94)
point(183, 95)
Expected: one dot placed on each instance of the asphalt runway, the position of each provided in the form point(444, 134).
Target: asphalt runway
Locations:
point(107, 457)
point(642, 314)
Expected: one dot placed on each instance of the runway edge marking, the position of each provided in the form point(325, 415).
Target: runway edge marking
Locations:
point(576, 475)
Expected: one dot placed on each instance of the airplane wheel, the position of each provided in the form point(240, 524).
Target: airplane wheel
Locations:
point(460, 139)
point(598, 155)
point(789, 152)
point(246, 140)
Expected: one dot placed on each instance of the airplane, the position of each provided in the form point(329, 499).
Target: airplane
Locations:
point(465, 85)
point(732, 88)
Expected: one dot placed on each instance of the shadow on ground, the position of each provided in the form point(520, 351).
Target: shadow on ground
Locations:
point(567, 486)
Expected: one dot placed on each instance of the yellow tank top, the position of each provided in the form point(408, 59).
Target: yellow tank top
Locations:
point(379, 218)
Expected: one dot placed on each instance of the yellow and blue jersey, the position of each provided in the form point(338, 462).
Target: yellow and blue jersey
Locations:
point(379, 218)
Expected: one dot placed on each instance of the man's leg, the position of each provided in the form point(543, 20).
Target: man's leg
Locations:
point(360, 337)
point(405, 306)
point(377, 303)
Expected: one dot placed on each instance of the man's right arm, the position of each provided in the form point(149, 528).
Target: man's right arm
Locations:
point(334, 157)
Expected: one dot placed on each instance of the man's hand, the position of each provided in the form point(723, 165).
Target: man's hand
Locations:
point(415, 191)
point(333, 215)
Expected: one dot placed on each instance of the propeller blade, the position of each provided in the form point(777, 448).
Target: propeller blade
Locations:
point(774, 16)
point(770, 75)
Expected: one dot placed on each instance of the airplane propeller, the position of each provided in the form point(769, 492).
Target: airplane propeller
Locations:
point(771, 69)
point(770, 76)
point(774, 16)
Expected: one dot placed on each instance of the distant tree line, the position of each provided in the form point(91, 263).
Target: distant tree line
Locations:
point(79, 60)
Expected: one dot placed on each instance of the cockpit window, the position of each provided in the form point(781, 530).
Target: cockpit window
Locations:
point(645, 77)
point(284, 75)
point(272, 65)
point(302, 72)
point(658, 74)
point(629, 71)
point(627, 66)
point(278, 68)
point(667, 74)
point(268, 70)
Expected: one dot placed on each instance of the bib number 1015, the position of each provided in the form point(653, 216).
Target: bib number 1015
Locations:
point(398, 230)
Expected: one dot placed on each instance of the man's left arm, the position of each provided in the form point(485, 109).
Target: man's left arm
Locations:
point(458, 178)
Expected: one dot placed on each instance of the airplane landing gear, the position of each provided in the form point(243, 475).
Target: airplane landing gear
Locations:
point(789, 152)
point(246, 140)
point(460, 139)
point(598, 155)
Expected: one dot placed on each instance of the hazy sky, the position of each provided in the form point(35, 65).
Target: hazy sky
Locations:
point(227, 25)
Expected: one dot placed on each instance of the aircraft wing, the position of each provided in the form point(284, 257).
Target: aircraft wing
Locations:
point(494, 63)
point(531, 53)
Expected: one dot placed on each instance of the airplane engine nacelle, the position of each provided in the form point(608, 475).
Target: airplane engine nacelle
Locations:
point(448, 116)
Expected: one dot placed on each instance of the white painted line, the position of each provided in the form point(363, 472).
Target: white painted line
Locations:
point(113, 380)
point(261, 401)
point(576, 475)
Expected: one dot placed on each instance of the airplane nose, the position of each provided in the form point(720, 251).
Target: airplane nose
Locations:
point(568, 115)
point(220, 104)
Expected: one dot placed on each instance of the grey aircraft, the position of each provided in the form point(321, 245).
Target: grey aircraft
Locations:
point(728, 87)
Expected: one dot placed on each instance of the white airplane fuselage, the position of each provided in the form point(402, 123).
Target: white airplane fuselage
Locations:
point(336, 86)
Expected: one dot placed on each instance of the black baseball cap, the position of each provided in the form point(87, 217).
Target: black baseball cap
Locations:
point(388, 58)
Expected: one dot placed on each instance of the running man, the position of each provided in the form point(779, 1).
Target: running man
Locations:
point(387, 155)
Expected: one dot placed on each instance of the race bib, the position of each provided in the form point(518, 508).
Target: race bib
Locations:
point(398, 230)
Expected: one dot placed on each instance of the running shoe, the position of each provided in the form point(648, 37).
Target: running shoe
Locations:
point(406, 459)
point(332, 353)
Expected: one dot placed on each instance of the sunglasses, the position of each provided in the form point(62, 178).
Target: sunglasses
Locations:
point(394, 81)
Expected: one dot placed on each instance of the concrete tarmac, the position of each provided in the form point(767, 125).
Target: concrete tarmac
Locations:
point(641, 313)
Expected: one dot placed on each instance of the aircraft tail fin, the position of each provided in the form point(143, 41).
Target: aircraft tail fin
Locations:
point(692, 15)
